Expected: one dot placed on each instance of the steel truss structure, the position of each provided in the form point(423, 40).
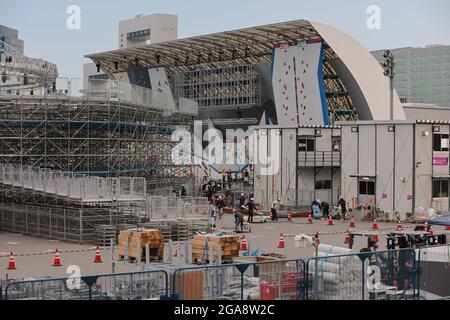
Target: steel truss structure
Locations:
point(224, 88)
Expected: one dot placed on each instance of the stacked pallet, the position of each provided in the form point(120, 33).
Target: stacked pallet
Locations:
point(229, 248)
point(133, 243)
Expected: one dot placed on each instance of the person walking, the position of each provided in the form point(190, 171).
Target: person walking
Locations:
point(212, 213)
point(251, 209)
point(220, 205)
point(274, 208)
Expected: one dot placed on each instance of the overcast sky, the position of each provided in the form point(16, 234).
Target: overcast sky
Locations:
point(42, 23)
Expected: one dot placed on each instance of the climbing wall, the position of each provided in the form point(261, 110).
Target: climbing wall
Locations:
point(298, 84)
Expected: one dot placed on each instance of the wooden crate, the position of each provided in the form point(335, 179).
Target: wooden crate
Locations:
point(142, 237)
point(229, 247)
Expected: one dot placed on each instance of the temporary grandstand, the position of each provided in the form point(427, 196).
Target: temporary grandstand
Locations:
point(80, 168)
point(90, 209)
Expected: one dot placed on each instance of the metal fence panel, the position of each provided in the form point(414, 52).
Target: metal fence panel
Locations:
point(379, 275)
point(433, 280)
point(148, 285)
point(274, 280)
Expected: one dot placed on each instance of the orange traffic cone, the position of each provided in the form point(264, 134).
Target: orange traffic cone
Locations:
point(57, 259)
point(270, 215)
point(426, 226)
point(375, 224)
point(352, 223)
point(98, 257)
point(330, 220)
point(399, 226)
point(317, 237)
point(11, 263)
point(281, 243)
point(347, 238)
point(310, 219)
point(431, 231)
point(289, 217)
point(243, 244)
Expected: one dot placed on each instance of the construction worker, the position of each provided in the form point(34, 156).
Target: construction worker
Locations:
point(242, 200)
point(220, 203)
point(212, 213)
point(325, 209)
point(343, 207)
point(238, 219)
point(251, 209)
point(274, 208)
point(183, 191)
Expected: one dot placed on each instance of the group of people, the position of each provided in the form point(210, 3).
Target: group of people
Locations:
point(227, 177)
point(322, 208)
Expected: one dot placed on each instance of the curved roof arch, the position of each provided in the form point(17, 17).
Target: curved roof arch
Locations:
point(362, 75)
point(357, 88)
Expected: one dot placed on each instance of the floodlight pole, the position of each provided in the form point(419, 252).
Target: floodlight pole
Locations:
point(391, 88)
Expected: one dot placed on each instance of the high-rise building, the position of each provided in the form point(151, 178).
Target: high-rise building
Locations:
point(422, 75)
point(11, 37)
point(138, 31)
point(152, 28)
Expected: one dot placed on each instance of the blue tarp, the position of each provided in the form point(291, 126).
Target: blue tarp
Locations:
point(442, 221)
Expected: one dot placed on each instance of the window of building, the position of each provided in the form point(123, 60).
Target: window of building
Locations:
point(323, 185)
point(305, 144)
point(440, 188)
point(367, 187)
point(440, 142)
point(336, 144)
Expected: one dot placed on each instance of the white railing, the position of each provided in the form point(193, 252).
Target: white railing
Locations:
point(124, 91)
point(80, 187)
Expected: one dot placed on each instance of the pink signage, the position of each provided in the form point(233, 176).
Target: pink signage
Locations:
point(410, 196)
point(440, 161)
point(384, 195)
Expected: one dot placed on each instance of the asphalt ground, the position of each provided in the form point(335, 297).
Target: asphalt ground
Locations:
point(34, 256)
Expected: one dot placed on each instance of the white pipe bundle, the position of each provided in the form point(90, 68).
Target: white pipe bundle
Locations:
point(338, 277)
point(327, 250)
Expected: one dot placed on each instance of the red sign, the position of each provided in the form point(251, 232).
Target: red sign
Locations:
point(440, 161)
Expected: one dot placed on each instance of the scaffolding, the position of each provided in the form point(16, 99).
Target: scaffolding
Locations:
point(92, 136)
point(228, 87)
